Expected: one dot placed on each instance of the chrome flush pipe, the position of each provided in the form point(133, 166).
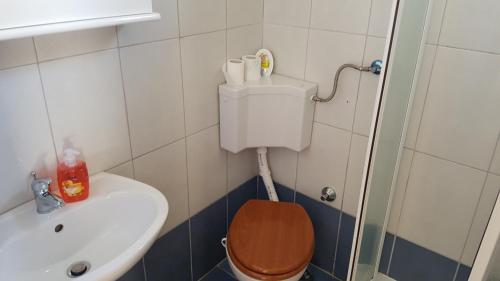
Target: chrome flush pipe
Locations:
point(374, 68)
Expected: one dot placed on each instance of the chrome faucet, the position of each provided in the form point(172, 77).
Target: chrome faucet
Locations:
point(46, 202)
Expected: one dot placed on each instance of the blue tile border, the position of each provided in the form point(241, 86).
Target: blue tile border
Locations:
point(239, 196)
point(463, 273)
point(325, 220)
point(411, 262)
point(170, 256)
point(208, 227)
point(347, 223)
point(386, 253)
point(285, 194)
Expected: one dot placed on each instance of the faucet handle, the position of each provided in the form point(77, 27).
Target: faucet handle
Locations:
point(40, 185)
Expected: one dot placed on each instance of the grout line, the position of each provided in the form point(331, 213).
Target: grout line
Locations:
point(227, 154)
point(115, 166)
point(219, 265)
point(456, 272)
point(262, 23)
point(332, 126)
point(204, 275)
point(426, 95)
point(324, 271)
point(476, 209)
point(468, 50)
point(157, 148)
point(308, 40)
point(396, 232)
point(497, 149)
point(390, 254)
point(126, 108)
point(144, 269)
point(342, 200)
point(185, 146)
point(20, 65)
point(147, 42)
point(296, 177)
point(448, 160)
point(442, 21)
point(200, 130)
point(78, 54)
point(44, 96)
point(203, 33)
point(326, 29)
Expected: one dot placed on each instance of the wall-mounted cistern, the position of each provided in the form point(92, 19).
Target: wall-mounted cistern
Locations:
point(46, 202)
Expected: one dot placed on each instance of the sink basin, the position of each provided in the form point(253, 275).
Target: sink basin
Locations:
point(110, 231)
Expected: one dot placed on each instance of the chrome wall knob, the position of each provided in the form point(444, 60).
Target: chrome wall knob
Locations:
point(328, 194)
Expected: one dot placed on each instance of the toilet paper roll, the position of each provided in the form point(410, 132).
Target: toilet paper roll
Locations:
point(234, 71)
point(252, 67)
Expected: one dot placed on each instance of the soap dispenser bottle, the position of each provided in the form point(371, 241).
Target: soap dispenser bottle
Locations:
point(72, 177)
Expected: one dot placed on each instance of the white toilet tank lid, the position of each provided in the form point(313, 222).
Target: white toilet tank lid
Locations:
point(276, 84)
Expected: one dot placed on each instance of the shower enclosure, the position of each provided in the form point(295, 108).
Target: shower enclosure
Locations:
point(432, 169)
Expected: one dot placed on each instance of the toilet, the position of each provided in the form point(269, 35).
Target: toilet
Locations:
point(270, 241)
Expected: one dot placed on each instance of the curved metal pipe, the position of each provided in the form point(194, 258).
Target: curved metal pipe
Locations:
point(374, 68)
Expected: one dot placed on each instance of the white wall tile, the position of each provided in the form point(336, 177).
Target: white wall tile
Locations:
point(495, 164)
point(380, 17)
point(199, 16)
point(400, 190)
point(26, 143)
point(483, 213)
point(437, 13)
point(165, 28)
point(86, 107)
point(368, 87)
point(125, 170)
point(16, 52)
point(359, 145)
point(339, 15)
point(153, 91)
point(244, 12)
point(288, 45)
point(289, 12)
point(165, 169)
point(463, 96)
point(241, 167)
point(327, 51)
point(424, 77)
point(324, 163)
point(283, 165)
point(472, 25)
point(202, 59)
point(244, 40)
point(441, 197)
point(72, 43)
point(207, 169)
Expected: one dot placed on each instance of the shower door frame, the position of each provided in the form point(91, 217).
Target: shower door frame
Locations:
point(392, 36)
point(489, 244)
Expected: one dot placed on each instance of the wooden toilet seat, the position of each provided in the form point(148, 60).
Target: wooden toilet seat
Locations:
point(270, 240)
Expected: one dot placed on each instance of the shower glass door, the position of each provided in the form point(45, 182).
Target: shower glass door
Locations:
point(402, 57)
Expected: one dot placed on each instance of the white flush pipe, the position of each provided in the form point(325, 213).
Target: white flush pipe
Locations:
point(265, 173)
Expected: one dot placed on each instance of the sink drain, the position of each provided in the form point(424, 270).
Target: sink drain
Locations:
point(78, 269)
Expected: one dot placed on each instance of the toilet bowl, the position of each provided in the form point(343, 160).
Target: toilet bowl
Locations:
point(270, 241)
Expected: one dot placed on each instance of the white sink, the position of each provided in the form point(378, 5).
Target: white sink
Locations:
point(111, 230)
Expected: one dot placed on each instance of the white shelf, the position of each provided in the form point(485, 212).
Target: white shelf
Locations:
point(34, 30)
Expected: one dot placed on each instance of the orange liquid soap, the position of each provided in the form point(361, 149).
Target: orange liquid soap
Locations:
point(72, 177)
